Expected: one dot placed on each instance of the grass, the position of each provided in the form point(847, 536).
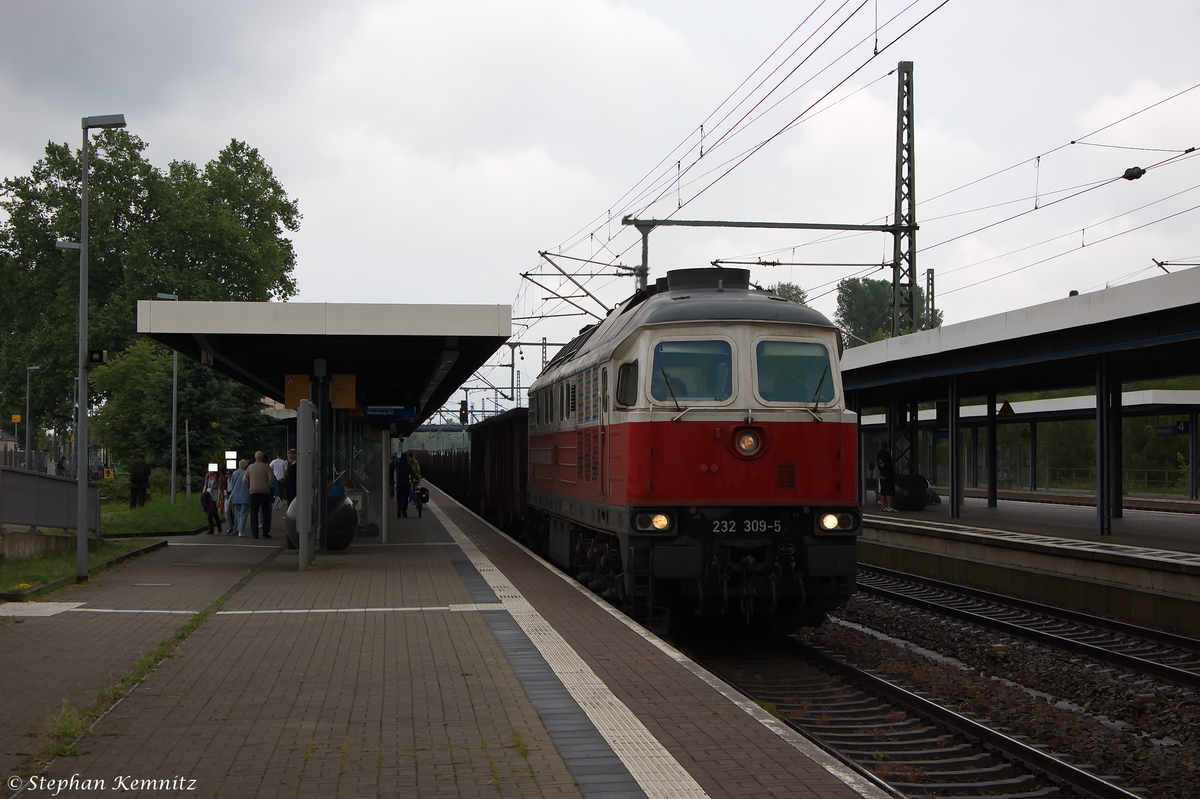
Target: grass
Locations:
point(156, 516)
point(21, 574)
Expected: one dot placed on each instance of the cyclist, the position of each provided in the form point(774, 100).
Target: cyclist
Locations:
point(414, 480)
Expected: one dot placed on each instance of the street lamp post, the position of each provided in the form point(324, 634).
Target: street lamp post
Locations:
point(81, 431)
point(28, 369)
point(174, 402)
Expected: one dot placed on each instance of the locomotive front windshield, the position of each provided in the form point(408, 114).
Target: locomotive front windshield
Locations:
point(794, 371)
point(692, 370)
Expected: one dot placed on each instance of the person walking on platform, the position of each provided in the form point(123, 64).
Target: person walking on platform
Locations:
point(401, 472)
point(279, 469)
point(239, 500)
point(261, 479)
point(139, 481)
point(414, 480)
point(210, 500)
point(289, 478)
point(887, 477)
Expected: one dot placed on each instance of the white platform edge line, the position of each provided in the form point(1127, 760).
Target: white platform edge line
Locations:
point(654, 768)
point(129, 610)
point(837, 768)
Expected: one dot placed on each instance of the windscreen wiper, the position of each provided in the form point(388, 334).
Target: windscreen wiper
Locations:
point(667, 380)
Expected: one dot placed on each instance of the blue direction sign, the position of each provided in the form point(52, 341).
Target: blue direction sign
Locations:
point(391, 411)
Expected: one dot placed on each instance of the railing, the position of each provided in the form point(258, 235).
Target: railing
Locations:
point(44, 501)
point(1145, 481)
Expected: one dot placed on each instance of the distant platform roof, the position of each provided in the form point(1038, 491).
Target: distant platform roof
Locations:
point(402, 356)
point(1148, 330)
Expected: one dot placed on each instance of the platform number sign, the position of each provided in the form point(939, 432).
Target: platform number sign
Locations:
point(1181, 428)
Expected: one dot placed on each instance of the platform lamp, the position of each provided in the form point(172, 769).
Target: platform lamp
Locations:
point(88, 123)
point(174, 401)
point(28, 369)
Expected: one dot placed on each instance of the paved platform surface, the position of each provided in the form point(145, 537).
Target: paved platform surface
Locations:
point(1178, 532)
point(448, 662)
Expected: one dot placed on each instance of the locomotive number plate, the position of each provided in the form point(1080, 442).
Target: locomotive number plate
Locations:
point(728, 526)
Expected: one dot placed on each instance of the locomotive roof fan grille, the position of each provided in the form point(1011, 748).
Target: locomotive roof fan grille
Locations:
point(708, 278)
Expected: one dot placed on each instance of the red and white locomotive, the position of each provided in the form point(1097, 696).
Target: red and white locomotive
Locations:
point(693, 454)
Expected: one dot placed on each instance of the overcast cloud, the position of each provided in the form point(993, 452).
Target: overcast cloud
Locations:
point(434, 147)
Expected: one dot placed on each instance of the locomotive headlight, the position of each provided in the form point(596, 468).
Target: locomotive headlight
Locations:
point(652, 522)
point(747, 442)
point(837, 521)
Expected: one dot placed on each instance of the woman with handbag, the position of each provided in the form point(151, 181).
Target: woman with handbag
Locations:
point(210, 501)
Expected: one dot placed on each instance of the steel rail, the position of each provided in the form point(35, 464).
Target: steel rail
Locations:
point(1131, 662)
point(1158, 636)
point(1033, 758)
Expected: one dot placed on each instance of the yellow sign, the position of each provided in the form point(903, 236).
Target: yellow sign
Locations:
point(16, 417)
point(342, 391)
point(108, 473)
point(295, 388)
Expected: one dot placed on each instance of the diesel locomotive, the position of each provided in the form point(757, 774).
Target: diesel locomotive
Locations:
point(692, 455)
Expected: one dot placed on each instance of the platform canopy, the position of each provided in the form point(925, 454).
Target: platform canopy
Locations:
point(405, 360)
point(1146, 331)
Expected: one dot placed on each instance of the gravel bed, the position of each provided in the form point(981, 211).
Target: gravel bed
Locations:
point(1138, 728)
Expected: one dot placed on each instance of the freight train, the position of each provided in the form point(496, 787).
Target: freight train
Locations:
point(692, 455)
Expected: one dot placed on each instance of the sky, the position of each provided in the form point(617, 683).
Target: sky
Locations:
point(435, 148)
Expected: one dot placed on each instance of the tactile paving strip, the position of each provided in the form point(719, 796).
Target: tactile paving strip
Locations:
point(654, 768)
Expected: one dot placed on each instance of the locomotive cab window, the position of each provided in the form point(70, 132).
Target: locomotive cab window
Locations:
point(692, 370)
point(627, 384)
point(794, 371)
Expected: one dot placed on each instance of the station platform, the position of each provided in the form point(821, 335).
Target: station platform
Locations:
point(1147, 571)
point(448, 662)
point(1156, 529)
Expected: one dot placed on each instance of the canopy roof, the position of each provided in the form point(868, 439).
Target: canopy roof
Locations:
point(406, 358)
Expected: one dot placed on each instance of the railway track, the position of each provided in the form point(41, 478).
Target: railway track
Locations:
point(914, 746)
point(1165, 656)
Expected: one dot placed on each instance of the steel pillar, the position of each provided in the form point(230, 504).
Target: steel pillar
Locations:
point(973, 463)
point(1116, 478)
point(385, 458)
point(1103, 475)
point(955, 452)
point(1193, 456)
point(304, 481)
point(904, 239)
point(902, 435)
point(992, 477)
point(324, 446)
point(1033, 457)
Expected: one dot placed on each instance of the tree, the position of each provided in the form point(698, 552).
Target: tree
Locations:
point(134, 414)
point(212, 234)
point(864, 310)
point(790, 291)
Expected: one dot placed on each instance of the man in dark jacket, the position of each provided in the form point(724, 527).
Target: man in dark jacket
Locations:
point(139, 481)
point(887, 477)
point(401, 472)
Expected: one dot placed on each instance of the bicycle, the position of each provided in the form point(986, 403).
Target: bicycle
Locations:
point(415, 493)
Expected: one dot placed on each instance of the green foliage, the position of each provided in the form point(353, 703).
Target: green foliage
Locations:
point(790, 291)
point(211, 234)
point(156, 516)
point(50, 566)
point(134, 416)
point(864, 310)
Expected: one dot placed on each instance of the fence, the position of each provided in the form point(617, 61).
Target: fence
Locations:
point(44, 501)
